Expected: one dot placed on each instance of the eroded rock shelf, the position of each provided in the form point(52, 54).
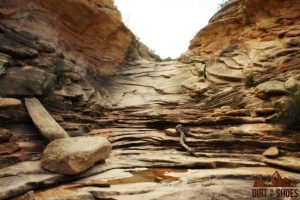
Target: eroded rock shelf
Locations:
point(230, 140)
point(227, 91)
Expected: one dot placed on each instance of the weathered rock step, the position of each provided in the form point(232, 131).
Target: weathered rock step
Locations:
point(9, 102)
point(288, 163)
point(81, 118)
point(272, 88)
point(15, 180)
point(140, 118)
point(216, 140)
point(231, 63)
point(224, 120)
point(205, 145)
point(149, 72)
point(43, 120)
point(199, 184)
point(223, 72)
point(189, 121)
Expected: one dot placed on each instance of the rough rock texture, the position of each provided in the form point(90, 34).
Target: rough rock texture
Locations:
point(229, 89)
point(91, 30)
point(75, 155)
point(250, 26)
point(50, 49)
point(26, 81)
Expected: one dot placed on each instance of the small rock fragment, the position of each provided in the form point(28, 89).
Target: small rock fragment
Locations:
point(171, 132)
point(225, 108)
point(271, 152)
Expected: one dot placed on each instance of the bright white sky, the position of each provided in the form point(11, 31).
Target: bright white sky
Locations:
point(167, 26)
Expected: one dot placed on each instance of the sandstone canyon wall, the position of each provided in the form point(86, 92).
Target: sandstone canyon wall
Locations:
point(249, 24)
point(229, 88)
point(91, 31)
point(48, 48)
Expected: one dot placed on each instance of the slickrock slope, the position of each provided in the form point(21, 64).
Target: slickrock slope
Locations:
point(228, 89)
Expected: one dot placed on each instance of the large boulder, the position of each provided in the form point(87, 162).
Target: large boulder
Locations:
point(75, 155)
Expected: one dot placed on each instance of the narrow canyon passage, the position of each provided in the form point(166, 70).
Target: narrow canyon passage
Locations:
point(146, 104)
point(236, 91)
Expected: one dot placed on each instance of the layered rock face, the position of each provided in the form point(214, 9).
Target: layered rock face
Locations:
point(239, 77)
point(249, 38)
point(252, 26)
point(90, 31)
point(49, 49)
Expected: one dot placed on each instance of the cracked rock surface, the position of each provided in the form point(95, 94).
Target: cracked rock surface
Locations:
point(230, 89)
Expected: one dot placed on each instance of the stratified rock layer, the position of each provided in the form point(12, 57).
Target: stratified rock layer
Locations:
point(9, 102)
point(89, 30)
point(228, 89)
